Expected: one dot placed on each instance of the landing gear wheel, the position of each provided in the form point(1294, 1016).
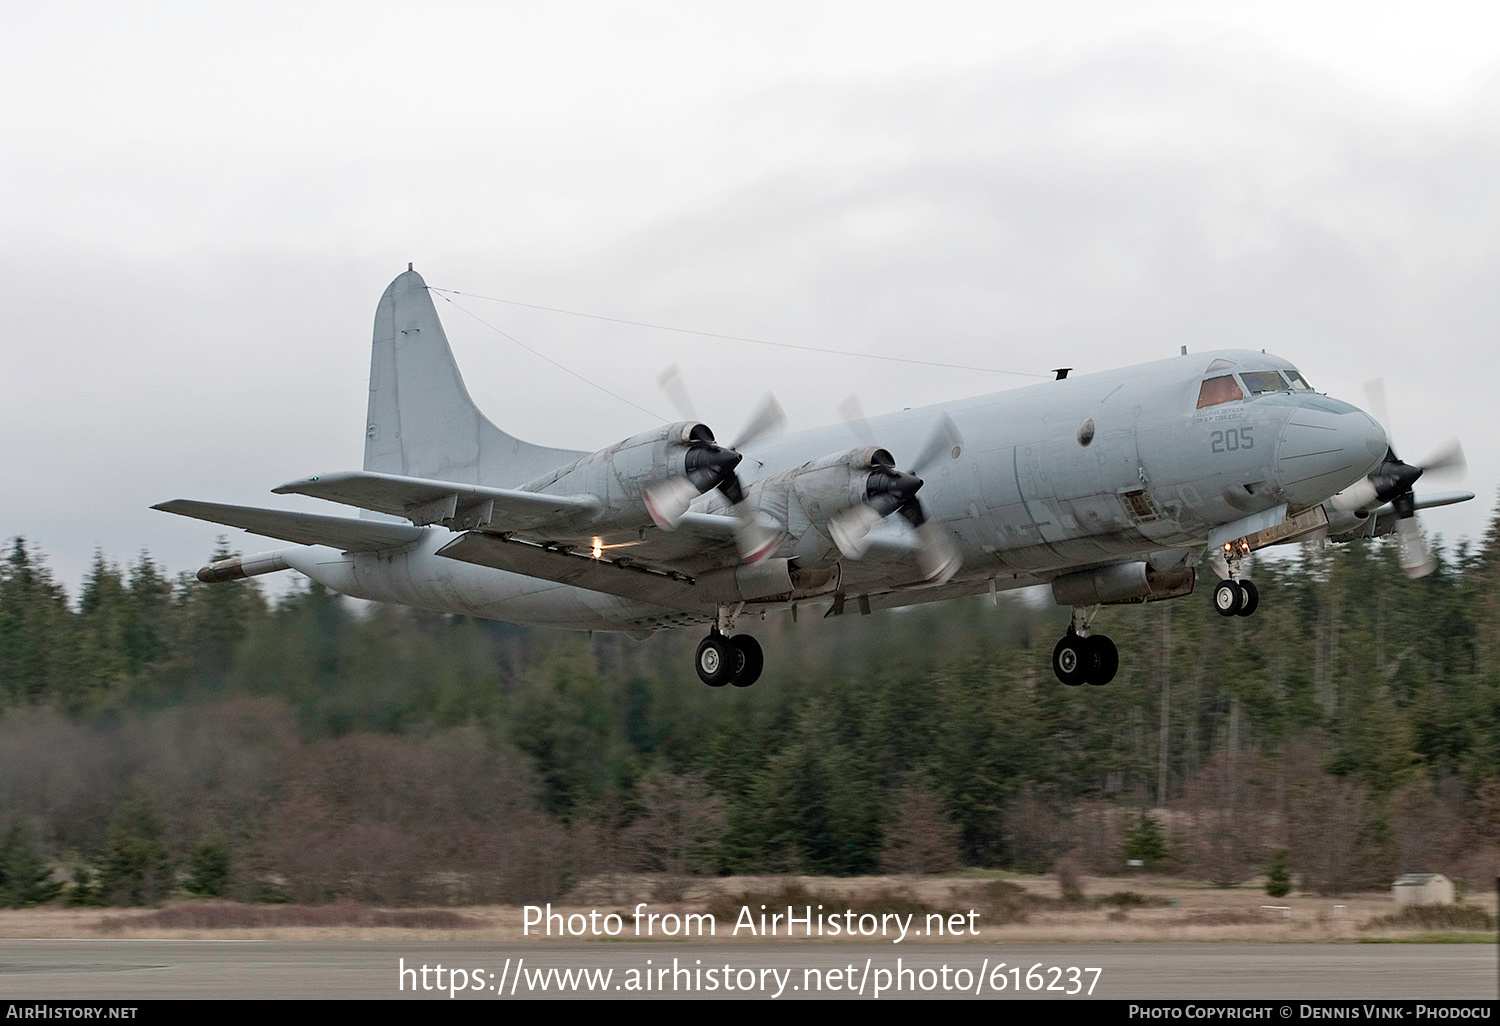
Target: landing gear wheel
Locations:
point(1249, 599)
point(1106, 658)
point(1073, 660)
point(748, 660)
point(716, 660)
point(1227, 598)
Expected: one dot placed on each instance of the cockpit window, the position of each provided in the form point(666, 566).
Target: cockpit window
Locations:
point(1299, 383)
point(1219, 390)
point(1257, 382)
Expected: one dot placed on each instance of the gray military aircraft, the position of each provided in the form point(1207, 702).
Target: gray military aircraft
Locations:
point(1107, 486)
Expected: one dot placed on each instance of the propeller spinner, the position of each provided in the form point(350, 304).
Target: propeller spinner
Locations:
point(1392, 482)
point(708, 465)
point(895, 491)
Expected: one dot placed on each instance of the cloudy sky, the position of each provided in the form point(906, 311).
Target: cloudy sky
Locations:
point(204, 203)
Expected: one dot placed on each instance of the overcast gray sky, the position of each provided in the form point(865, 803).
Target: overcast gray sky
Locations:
point(203, 204)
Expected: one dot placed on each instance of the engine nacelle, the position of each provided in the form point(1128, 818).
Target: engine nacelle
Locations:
point(620, 474)
point(802, 502)
point(1346, 521)
point(1121, 584)
point(771, 580)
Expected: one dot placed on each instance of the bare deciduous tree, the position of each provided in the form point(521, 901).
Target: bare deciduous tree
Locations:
point(1227, 809)
point(920, 838)
point(680, 828)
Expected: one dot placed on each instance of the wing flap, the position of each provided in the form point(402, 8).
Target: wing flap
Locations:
point(424, 501)
point(611, 576)
point(347, 533)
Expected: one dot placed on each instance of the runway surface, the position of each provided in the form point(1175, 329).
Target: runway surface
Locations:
point(153, 969)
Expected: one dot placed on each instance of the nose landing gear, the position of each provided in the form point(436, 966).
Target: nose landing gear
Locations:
point(1233, 596)
point(1083, 658)
point(1236, 598)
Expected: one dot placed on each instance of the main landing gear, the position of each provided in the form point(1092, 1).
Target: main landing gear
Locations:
point(723, 659)
point(1232, 596)
point(729, 660)
point(1084, 658)
point(1236, 598)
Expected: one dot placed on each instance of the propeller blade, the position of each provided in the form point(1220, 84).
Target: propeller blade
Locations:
point(754, 539)
point(854, 415)
point(937, 558)
point(1416, 557)
point(944, 439)
point(851, 529)
point(1448, 458)
point(668, 500)
point(676, 391)
point(1375, 395)
point(769, 418)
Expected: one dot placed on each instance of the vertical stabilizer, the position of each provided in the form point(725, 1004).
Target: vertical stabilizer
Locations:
point(421, 421)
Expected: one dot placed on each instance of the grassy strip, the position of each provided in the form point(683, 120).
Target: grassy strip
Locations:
point(1434, 938)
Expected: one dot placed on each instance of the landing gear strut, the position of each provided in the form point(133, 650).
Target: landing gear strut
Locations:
point(1232, 596)
point(722, 659)
point(1084, 658)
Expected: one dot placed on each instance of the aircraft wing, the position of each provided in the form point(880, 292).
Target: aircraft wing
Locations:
point(424, 501)
point(347, 533)
point(1385, 516)
point(701, 541)
point(551, 537)
point(1427, 501)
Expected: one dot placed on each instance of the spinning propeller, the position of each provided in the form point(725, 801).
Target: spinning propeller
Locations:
point(895, 491)
point(708, 465)
point(1392, 482)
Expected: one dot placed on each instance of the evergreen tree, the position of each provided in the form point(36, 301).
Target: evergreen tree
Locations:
point(36, 647)
point(1278, 875)
point(137, 866)
point(1146, 843)
point(25, 877)
point(210, 866)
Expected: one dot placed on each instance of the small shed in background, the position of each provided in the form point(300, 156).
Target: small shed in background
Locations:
point(1422, 889)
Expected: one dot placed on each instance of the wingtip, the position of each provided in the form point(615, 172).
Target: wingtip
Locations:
point(296, 485)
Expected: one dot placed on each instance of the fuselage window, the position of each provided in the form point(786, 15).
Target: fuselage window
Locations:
point(1263, 381)
point(1299, 383)
point(1219, 390)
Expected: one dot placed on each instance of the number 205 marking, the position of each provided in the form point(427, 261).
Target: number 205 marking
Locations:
point(1232, 440)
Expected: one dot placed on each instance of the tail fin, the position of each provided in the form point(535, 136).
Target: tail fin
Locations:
point(421, 421)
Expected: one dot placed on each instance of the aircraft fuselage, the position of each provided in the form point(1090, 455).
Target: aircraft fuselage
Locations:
point(1047, 480)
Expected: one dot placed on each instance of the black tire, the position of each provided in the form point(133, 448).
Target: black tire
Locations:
point(1106, 658)
point(1227, 598)
point(1073, 660)
point(1249, 599)
point(748, 660)
point(716, 661)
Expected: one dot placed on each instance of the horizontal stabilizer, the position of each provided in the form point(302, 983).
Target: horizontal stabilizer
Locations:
point(347, 533)
point(459, 506)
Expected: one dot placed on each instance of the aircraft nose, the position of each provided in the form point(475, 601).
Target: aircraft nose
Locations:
point(1326, 446)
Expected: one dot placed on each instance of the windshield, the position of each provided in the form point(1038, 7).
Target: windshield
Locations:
point(1257, 382)
point(1299, 383)
point(1219, 390)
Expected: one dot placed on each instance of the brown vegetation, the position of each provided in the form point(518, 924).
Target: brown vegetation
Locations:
point(213, 916)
